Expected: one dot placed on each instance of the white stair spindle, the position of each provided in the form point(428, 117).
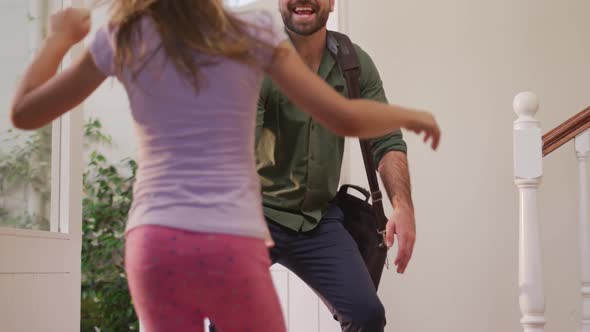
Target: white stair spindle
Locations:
point(528, 171)
point(583, 152)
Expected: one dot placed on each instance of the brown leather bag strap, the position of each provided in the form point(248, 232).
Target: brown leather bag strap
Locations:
point(349, 64)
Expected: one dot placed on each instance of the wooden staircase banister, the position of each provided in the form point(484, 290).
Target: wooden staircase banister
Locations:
point(566, 131)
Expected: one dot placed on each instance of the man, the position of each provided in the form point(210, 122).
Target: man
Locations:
point(299, 164)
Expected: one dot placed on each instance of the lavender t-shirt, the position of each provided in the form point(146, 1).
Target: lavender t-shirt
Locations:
point(196, 149)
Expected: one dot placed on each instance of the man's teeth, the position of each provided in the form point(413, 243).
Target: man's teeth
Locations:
point(303, 9)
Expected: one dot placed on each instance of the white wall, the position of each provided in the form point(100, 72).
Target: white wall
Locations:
point(465, 60)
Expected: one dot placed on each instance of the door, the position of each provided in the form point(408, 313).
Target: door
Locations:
point(40, 194)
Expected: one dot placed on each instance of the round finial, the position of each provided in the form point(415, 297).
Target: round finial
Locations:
point(526, 104)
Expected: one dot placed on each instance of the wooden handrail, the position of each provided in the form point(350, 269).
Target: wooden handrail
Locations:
point(566, 131)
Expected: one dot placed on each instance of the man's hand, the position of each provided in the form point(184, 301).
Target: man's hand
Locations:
point(396, 179)
point(403, 226)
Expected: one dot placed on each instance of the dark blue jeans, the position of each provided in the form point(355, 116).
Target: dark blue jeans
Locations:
point(328, 260)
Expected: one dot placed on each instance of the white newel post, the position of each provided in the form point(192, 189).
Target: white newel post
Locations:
point(583, 152)
point(528, 170)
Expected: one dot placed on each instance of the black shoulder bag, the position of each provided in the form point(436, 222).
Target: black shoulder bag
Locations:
point(364, 221)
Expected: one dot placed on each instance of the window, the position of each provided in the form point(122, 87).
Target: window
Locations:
point(29, 161)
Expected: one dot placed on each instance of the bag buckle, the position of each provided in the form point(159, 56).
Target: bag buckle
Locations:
point(376, 196)
point(382, 233)
point(383, 245)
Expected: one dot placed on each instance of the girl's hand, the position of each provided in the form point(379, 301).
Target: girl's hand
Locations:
point(69, 26)
point(424, 122)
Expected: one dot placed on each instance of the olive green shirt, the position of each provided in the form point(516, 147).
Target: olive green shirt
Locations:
point(299, 160)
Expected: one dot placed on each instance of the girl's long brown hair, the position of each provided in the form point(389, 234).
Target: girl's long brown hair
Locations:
point(185, 27)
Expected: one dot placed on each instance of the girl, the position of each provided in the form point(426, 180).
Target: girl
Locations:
point(195, 236)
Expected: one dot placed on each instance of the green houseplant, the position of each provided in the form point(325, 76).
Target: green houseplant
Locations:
point(106, 302)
